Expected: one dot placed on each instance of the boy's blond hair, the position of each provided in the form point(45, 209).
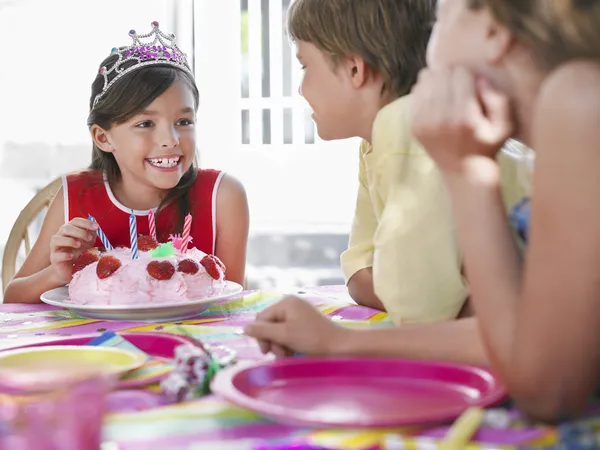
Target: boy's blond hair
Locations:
point(390, 35)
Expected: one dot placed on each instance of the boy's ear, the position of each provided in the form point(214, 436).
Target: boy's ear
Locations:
point(357, 70)
point(100, 138)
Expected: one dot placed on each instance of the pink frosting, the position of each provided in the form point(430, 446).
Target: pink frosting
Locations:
point(132, 285)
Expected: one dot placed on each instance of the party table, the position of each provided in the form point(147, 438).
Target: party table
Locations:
point(211, 422)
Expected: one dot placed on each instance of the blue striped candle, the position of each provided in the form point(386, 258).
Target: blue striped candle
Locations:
point(133, 236)
point(101, 234)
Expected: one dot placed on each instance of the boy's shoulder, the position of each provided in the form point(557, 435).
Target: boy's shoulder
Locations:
point(365, 147)
point(399, 106)
point(391, 129)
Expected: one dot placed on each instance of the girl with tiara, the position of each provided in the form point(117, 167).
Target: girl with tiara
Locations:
point(142, 122)
point(527, 69)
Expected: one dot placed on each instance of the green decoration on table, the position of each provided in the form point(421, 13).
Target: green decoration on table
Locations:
point(163, 251)
point(213, 367)
point(215, 364)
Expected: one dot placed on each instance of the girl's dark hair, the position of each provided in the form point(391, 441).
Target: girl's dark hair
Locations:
point(129, 96)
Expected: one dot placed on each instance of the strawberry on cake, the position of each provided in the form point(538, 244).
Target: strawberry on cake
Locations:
point(160, 274)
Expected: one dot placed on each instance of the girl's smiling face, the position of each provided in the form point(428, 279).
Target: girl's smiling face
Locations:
point(157, 146)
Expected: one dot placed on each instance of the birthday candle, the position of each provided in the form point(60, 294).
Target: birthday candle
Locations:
point(133, 236)
point(101, 234)
point(187, 228)
point(152, 225)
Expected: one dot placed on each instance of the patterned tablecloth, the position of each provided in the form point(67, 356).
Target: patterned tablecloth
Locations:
point(211, 422)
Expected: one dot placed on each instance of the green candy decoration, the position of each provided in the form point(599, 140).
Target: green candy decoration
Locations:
point(211, 371)
point(163, 251)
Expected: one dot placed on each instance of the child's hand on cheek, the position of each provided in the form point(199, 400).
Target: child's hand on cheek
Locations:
point(458, 117)
point(294, 326)
point(68, 243)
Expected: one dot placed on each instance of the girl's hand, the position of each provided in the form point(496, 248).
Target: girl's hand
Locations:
point(293, 325)
point(458, 117)
point(67, 244)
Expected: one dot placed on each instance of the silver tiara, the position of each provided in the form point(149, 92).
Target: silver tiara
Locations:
point(155, 47)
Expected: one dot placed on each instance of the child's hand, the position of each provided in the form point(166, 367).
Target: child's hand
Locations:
point(457, 116)
point(293, 325)
point(68, 243)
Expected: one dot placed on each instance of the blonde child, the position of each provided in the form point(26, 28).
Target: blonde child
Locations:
point(360, 60)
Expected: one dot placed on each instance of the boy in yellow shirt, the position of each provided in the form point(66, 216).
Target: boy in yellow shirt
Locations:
point(361, 58)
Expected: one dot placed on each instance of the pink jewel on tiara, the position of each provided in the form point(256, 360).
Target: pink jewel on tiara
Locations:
point(154, 47)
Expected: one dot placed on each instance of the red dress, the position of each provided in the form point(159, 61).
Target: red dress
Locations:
point(88, 193)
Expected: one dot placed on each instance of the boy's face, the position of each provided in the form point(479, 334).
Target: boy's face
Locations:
point(329, 92)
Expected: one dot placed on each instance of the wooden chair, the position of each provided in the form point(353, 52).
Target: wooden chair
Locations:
point(20, 230)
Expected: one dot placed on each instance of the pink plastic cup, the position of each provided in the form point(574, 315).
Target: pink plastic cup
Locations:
point(58, 413)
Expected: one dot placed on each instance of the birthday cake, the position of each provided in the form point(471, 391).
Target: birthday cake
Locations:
point(157, 274)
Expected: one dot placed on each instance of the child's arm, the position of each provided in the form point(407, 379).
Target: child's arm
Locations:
point(361, 289)
point(541, 326)
point(283, 325)
point(357, 260)
point(232, 228)
point(50, 262)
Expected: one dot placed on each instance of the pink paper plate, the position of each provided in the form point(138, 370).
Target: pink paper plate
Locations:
point(358, 392)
